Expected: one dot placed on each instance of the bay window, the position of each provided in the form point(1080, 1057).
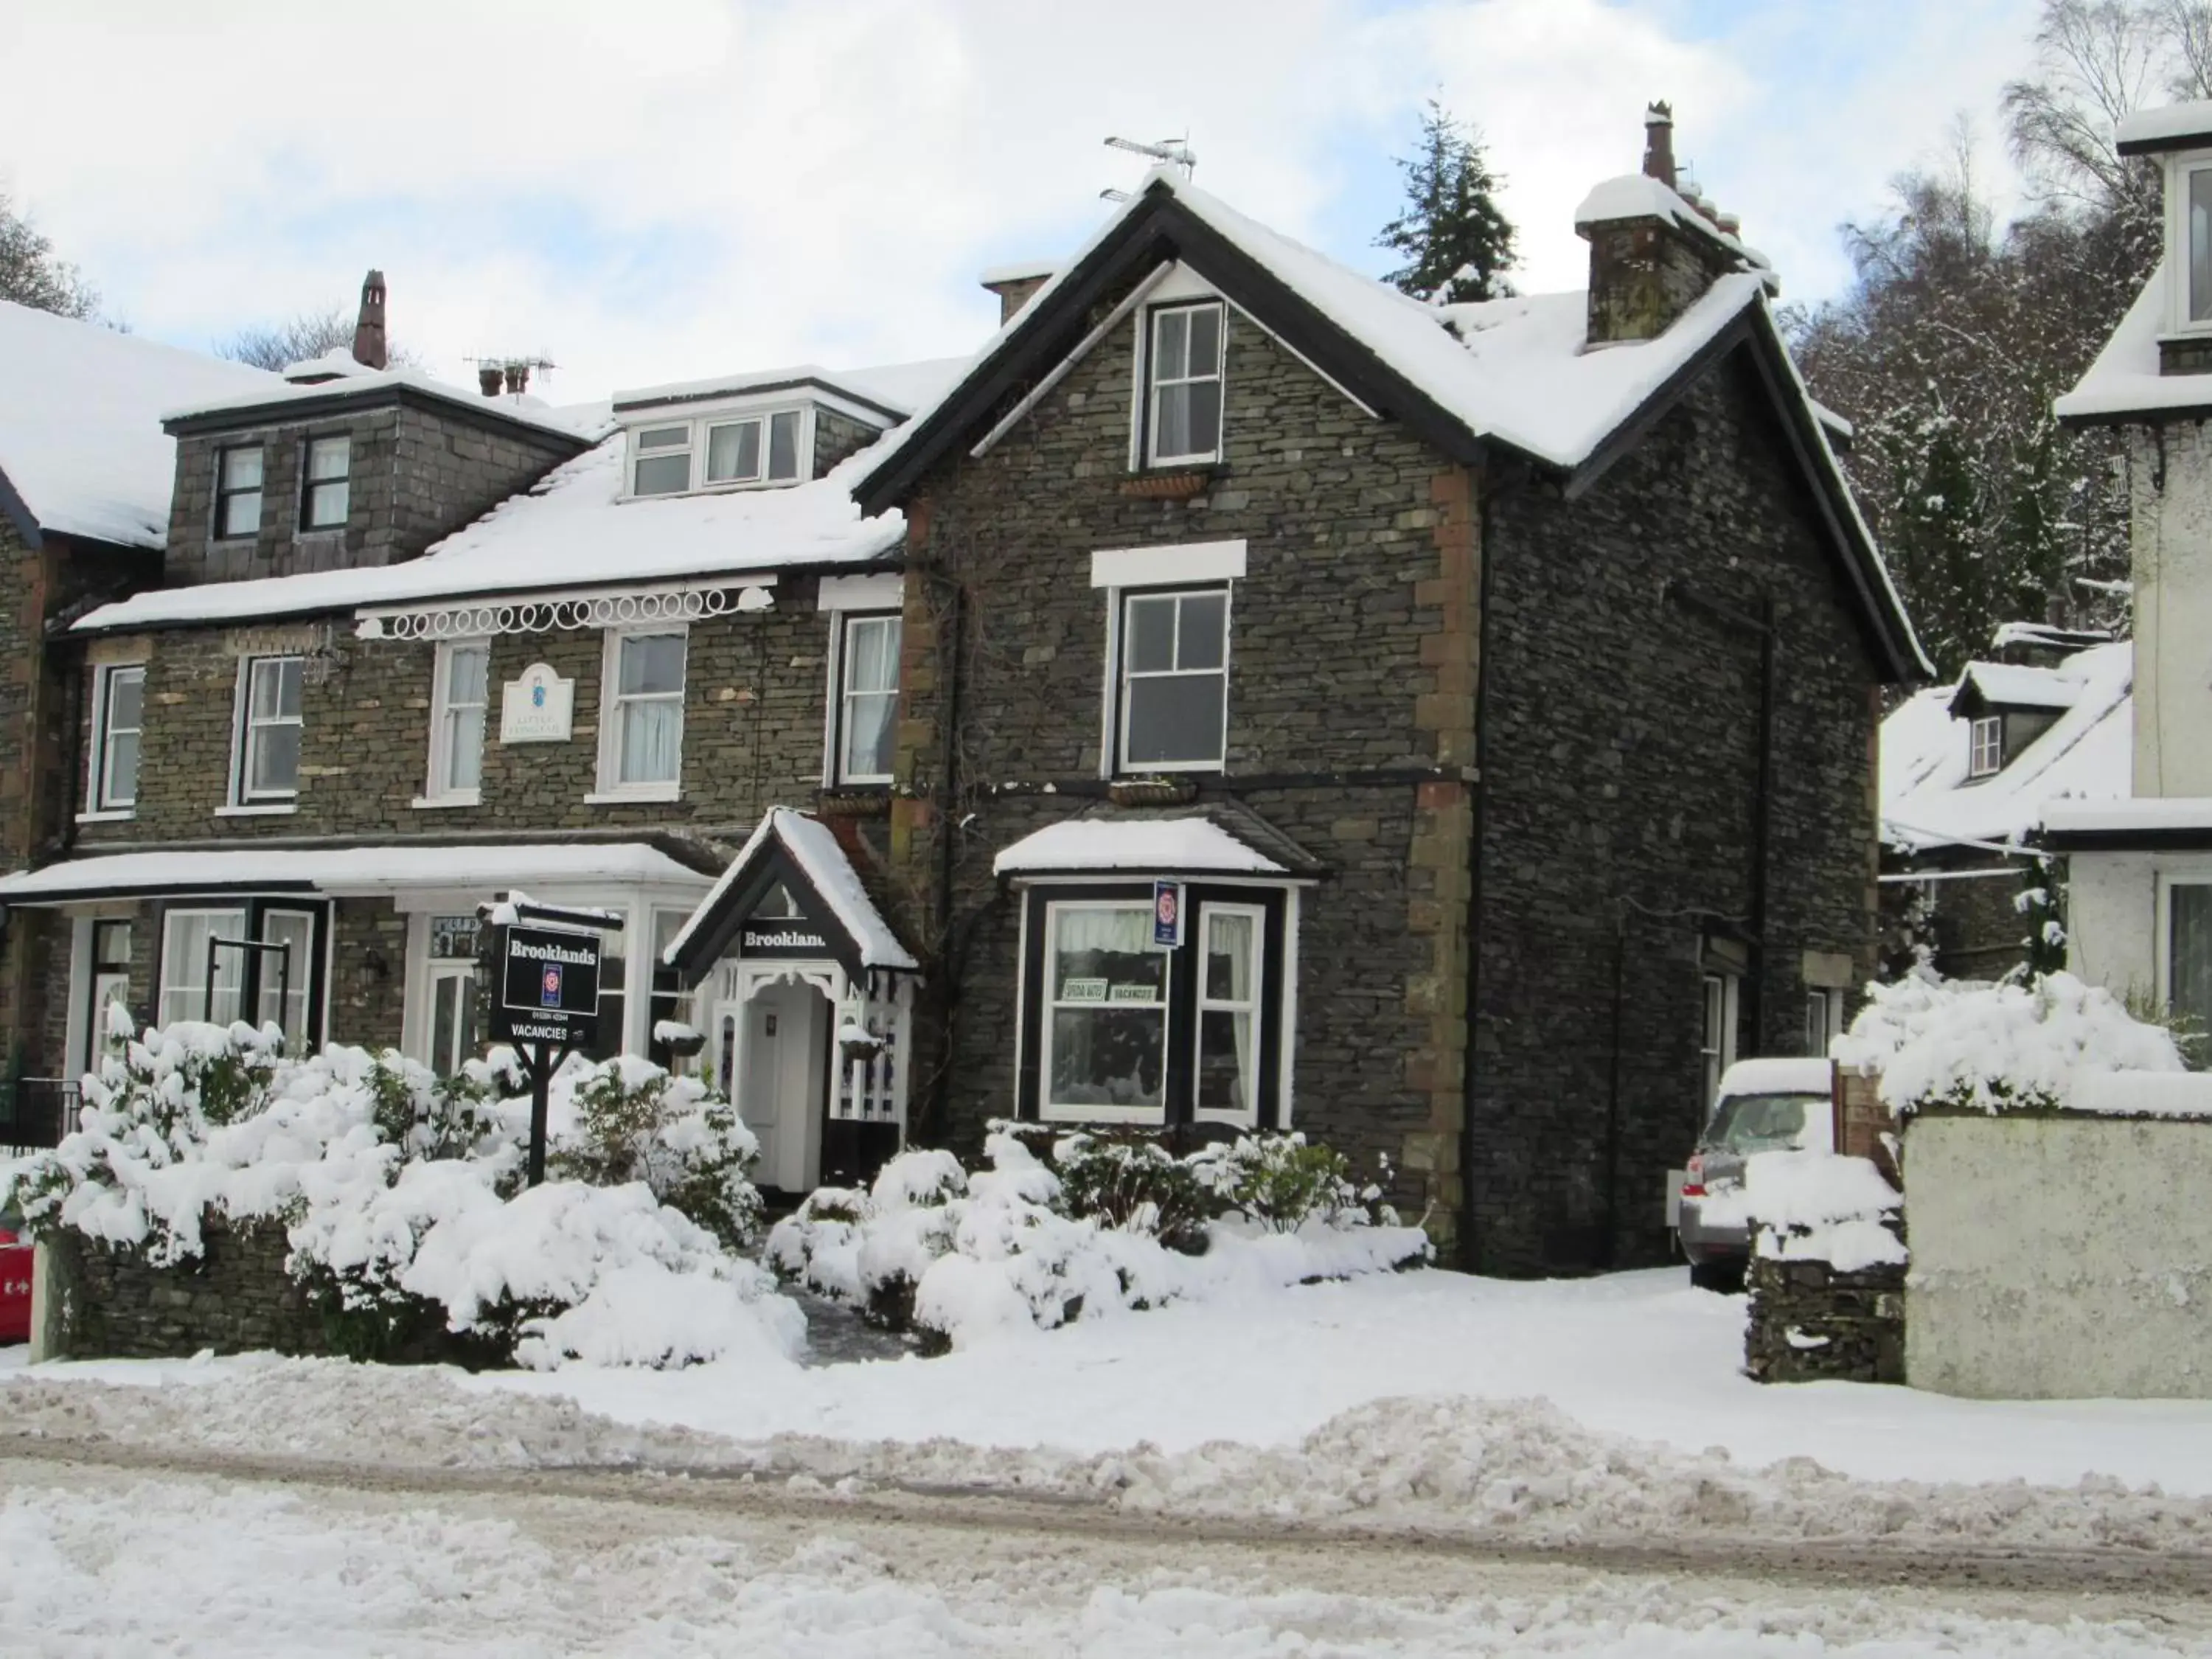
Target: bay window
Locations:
point(641, 716)
point(1175, 680)
point(1228, 1023)
point(258, 959)
point(1105, 1032)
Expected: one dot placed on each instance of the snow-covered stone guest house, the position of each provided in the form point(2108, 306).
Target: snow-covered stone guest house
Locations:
point(1494, 686)
point(2139, 897)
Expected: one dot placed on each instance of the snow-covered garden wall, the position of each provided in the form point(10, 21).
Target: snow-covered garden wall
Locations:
point(2057, 1155)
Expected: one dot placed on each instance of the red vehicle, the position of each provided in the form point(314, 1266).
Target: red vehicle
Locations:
point(14, 1282)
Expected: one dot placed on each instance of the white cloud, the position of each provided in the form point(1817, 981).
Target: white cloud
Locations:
point(656, 191)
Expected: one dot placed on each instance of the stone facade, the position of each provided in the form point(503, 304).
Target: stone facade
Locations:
point(234, 1298)
point(420, 468)
point(1620, 815)
point(1809, 1324)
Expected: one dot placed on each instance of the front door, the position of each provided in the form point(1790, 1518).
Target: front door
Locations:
point(773, 1048)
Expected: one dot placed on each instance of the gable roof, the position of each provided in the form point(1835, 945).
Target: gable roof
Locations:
point(82, 449)
point(1509, 375)
point(802, 852)
point(2015, 685)
point(1928, 800)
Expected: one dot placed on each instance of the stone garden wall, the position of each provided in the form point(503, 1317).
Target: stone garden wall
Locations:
point(233, 1297)
point(1809, 1324)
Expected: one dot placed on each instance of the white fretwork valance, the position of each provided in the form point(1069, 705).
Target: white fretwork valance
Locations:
point(554, 612)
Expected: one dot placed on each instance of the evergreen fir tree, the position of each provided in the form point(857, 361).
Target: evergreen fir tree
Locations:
point(1456, 244)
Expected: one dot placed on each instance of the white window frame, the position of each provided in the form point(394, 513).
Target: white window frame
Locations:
point(244, 726)
point(1255, 1008)
point(1117, 660)
point(2166, 886)
point(637, 452)
point(1824, 1019)
point(1155, 317)
point(196, 985)
point(610, 787)
point(1049, 991)
point(2180, 171)
point(300, 978)
point(439, 791)
point(100, 800)
point(311, 487)
point(1721, 999)
point(1985, 746)
point(699, 429)
point(846, 621)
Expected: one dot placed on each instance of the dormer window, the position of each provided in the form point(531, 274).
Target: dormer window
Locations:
point(733, 450)
point(662, 466)
point(1986, 757)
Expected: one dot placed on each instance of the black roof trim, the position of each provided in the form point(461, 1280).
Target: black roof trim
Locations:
point(772, 863)
point(1159, 230)
point(340, 399)
point(2144, 417)
point(2194, 839)
point(2166, 145)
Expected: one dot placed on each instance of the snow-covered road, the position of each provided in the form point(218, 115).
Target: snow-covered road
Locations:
point(120, 1560)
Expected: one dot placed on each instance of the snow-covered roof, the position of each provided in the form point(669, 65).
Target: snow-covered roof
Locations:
point(2171, 126)
point(1639, 196)
point(2048, 636)
point(1927, 798)
point(337, 364)
point(1165, 847)
point(856, 387)
point(82, 446)
point(525, 412)
point(2125, 380)
point(2120, 816)
point(341, 870)
point(2011, 685)
point(1778, 1075)
point(809, 845)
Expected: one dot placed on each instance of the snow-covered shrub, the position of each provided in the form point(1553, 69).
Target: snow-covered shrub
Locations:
point(1135, 1185)
point(1944, 1044)
point(632, 1120)
point(1017, 1246)
point(1281, 1183)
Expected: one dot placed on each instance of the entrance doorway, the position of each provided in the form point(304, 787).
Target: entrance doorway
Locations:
point(772, 1053)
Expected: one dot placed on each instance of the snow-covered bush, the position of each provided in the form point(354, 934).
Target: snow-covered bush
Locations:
point(1967, 1045)
point(1281, 1183)
point(1020, 1245)
point(632, 1120)
point(1822, 1206)
point(399, 1193)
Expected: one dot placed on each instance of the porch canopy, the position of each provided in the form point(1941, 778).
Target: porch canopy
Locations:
point(823, 909)
point(1217, 838)
point(342, 871)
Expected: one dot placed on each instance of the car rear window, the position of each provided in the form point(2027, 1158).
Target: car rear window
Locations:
point(1763, 1123)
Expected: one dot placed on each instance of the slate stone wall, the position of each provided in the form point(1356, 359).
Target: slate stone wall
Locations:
point(837, 436)
point(418, 474)
point(235, 1297)
point(1350, 690)
point(1809, 1324)
point(1619, 810)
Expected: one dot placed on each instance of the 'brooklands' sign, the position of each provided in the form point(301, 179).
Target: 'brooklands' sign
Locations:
point(549, 987)
point(781, 936)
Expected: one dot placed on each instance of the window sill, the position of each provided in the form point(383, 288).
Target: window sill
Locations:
point(109, 815)
point(628, 797)
point(1151, 1117)
point(258, 810)
point(432, 803)
point(1171, 483)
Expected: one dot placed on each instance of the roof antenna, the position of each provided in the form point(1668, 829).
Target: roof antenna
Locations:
point(1172, 152)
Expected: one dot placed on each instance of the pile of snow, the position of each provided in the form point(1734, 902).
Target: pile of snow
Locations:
point(1822, 1206)
point(968, 1257)
point(1965, 1043)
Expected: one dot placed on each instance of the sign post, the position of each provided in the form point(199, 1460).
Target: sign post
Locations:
point(546, 1003)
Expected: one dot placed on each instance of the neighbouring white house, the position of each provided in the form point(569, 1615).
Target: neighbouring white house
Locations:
point(2140, 894)
point(1968, 769)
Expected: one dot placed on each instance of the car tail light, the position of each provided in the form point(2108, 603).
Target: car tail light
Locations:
point(1693, 1178)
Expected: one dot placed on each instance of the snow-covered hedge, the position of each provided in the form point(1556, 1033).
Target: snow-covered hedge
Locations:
point(400, 1193)
point(1964, 1044)
point(1020, 1246)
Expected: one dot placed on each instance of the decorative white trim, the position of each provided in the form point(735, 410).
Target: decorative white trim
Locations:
point(583, 608)
point(1173, 565)
point(260, 809)
point(878, 590)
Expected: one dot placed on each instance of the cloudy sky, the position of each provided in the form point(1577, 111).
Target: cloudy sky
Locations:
point(669, 188)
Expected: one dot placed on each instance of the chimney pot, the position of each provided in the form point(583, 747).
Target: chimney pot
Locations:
point(1659, 143)
point(489, 376)
point(368, 344)
point(517, 378)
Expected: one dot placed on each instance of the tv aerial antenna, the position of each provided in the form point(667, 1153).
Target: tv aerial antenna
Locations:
point(1169, 152)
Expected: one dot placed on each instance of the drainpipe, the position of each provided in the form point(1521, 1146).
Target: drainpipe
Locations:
point(1469, 1255)
point(941, 1087)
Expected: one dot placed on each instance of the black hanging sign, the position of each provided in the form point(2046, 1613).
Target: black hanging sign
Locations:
point(549, 987)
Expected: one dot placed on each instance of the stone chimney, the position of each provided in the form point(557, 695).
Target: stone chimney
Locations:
point(1654, 250)
point(369, 331)
point(489, 378)
point(1014, 284)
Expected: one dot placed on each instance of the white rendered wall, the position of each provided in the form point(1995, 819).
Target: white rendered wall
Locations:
point(2112, 921)
point(2173, 570)
point(2059, 1258)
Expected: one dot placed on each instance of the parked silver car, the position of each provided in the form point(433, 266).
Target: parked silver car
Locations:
point(1762, 1106)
